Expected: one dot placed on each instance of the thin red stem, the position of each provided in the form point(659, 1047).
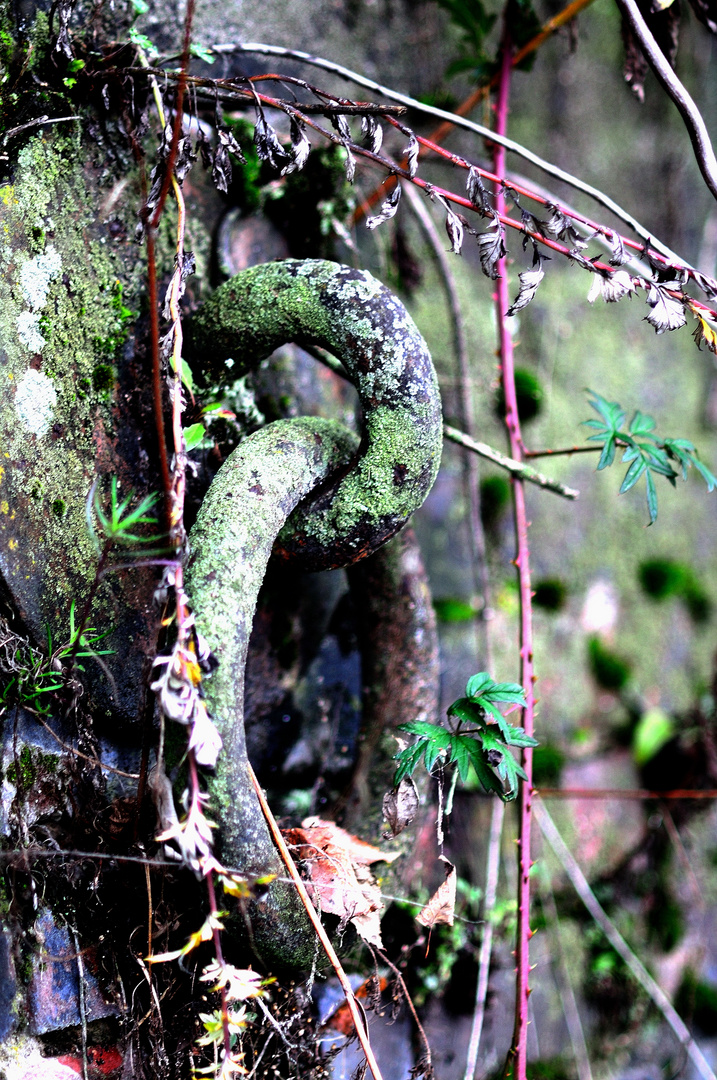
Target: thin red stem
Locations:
point(156, 366)
point(522, 561)
point(178, 114)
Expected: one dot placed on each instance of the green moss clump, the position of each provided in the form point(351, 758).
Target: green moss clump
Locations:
point(103, 378)
point(661, 579)
point(609, 670)
point(548, 762)
point(550, 594)
point(58, 507)
point(529, 396)
point(451, 610)
point(494, 500)
point(22, 770)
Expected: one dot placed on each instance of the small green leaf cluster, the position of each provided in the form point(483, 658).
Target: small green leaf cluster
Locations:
point(645, 453)
point(35, 676)
point(480, 740)
point(117, 526)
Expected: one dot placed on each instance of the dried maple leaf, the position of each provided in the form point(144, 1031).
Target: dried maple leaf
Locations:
point(325, 832)
point(441, 907)
point(338, 865)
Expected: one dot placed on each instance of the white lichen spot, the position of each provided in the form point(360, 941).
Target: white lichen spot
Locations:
point(36, 275)
point(28, 330)
point(35, 401)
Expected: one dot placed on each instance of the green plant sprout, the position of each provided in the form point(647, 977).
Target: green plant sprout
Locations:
point(482, 745)
point(117, 526)
point(36, 675)
point(645, 453)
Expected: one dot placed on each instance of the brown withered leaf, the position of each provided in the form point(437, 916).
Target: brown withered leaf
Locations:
point(400, 807)
point(338, 870)
point(664, 23)
point(441, 907)
point(326, 832)
point(369, 992)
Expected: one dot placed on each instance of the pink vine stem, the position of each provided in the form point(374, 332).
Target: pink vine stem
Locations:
point(518, 1052)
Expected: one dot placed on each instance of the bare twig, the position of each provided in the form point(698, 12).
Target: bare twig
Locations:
point(318, 926)
point(696, 127)
point(39, 122)
point(78, 753)
point(486, 945)
point(471, 474)
point(624, 793)
point(565, 985)
point(482, 92)
point(563, 450)
point(427, 1055)
point(676, 840)
point(637, 968)
point(81, 999)
point(457, 121)
point(519, 1048)
point(519, 469)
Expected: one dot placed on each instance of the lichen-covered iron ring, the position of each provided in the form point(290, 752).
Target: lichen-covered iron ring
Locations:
point(362, 495)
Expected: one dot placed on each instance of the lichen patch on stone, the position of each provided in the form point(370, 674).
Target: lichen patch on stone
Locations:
point(36, 276)
point(28, 330)
point(35, 401)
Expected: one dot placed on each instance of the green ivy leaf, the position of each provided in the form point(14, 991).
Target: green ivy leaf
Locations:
point(193, 435)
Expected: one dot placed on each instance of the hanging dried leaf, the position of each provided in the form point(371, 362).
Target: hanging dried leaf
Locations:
point(221, 169)
point(664, 23)
point(226, 138)
point(412, 151)
point(441, 907)
point(611, 287)
point(560, 227)
point(708, 285)
point(491, 248)
point(400, 807)
point(267, 143)
point(300, 147)
point(221, 165)
point(557, 223)
point(204, 147)
point(388, 209)
point(63, 11)
point(372, 133)
point(454, 228)
point(618, 256)
point(531, 223)
point(580, 259)
point(706, 12)
point(702, 332)
point(185, 158)
point(341, 124)
point(338, 865)
point(529, 282)
point(667, 311)
point(188, 267)
point(475, 189)
point(156, 179)
point(350, 165)
point(326, 832)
